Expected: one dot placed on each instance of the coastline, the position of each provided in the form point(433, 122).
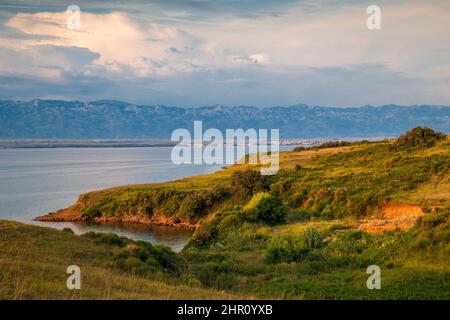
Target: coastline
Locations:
point(68, 215)
point(80, 143)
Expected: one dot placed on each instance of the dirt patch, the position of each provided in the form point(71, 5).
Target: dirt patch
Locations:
point(397, 211)
point(394, 216)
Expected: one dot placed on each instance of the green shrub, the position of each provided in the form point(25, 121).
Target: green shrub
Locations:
point(289, 248)
point(286, 249)
point(433, 220)
point(327, 144)
point(301, 214)
point(197, 204)
point(350, 243)
point(135, 266)
point(192, 205)
point(137, 257)
point(216, 195)
point(92, 212)
point(163, 255)
point(216, 274)
point(205, 234)
point(418, 137)
point(333, 144)
point(108, 238)
point(230, 222)
point(220, 226)
point(246, 183)
point(143, 258)
point(313, 239)
point(280, 188)
point(149, 209)
point(266, 208)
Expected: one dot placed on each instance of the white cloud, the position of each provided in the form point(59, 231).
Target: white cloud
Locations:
point(121, 43)
point(413, 44)
point(256, 58)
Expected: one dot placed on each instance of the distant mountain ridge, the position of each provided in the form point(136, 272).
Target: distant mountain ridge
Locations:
point(110, 119)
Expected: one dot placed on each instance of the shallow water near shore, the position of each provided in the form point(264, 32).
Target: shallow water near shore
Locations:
point(175, 238)
point(34, 182)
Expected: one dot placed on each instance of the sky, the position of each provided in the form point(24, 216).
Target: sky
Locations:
point(227, 52)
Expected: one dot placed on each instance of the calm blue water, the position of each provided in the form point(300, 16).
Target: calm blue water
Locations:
point(34, 182)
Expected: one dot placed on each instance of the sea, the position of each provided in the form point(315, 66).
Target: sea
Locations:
point(36, 181)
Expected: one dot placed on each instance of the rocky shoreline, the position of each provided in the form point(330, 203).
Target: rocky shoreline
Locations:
point(67, 215)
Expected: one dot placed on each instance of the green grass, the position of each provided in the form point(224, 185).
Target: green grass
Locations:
point(414, 264)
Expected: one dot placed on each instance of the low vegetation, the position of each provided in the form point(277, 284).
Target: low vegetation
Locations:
point(315, 260)
point(292, 235)
point(293, 248)
point(418, 138)
point(266, 208)
point(33, 263)
point(350, 180)
point(327, 144)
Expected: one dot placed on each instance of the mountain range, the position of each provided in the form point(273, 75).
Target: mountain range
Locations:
point(110, 119)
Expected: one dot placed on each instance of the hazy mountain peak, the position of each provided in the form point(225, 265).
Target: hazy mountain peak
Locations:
point(118, 119)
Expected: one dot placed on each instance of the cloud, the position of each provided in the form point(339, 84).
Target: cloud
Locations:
point(256, 58)
point(120, 43)
point(354, 86)
point(45, 61)
point(233, 52)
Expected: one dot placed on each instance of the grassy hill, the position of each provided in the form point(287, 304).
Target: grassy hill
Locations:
point(310, 231)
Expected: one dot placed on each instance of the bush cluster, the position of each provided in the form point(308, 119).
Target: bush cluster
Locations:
point(434, 219)
point(328, 144)
point(196, 204)
point(188, 205)
point(137, 257)
point(293, 248)
point(266, 208)
point(246, 183)
point(418, 137)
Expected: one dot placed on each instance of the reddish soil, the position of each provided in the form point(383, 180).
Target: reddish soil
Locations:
point(394, 216)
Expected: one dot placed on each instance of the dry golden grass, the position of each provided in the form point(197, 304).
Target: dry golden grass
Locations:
point(33, 262)
point(308, 157)
point(433, 194)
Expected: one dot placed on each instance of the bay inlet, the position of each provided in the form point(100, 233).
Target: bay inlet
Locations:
point(36, 181)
